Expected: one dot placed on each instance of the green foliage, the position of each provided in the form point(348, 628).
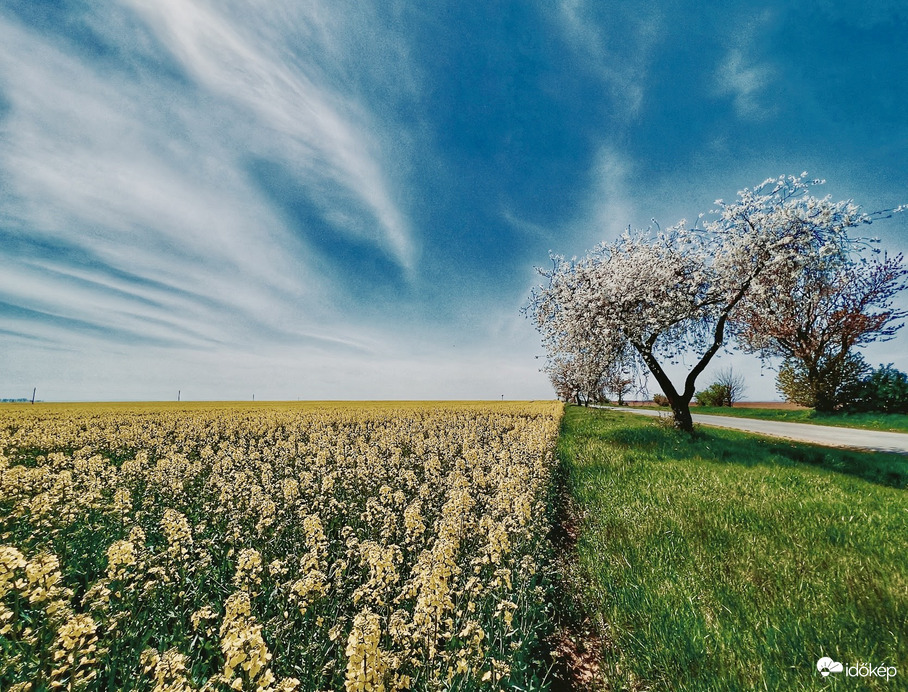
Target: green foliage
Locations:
point(884, 390)
point(827, 385)
point(714, 395)
point(730, 561)
point(727, 388)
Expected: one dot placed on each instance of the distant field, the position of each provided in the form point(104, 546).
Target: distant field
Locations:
point(769, 404)
point(309, 546)
point(732, 562)
point(151, 406)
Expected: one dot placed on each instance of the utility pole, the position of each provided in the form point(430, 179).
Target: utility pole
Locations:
point(179, 392)
point(34, 391)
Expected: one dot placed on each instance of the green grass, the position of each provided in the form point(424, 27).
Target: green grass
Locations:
point(735, 562)
point(891, 422)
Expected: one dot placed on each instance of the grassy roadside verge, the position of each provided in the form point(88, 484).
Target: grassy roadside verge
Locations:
point(887, 422)
point(730, 563)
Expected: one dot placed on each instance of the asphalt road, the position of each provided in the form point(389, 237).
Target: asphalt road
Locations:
point(829, 436)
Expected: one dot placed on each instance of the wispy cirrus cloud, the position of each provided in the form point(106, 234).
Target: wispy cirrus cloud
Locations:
point(746, 82)
point(617, 48)
point(127, 200)
point(605, 209)
point(323, 133)
point(743, 74)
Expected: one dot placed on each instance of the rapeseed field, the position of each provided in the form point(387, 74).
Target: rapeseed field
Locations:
point(275, 547)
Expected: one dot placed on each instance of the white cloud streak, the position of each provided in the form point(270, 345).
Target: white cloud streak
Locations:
point(146, 179)
point(621, 61)
point(434, 370)
point(248, 63)
point(608, 207)
point(143, 254)
point(746, 82)
point(742, 75)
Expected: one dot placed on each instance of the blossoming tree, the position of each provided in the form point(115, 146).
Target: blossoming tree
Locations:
point(586, 374)
point(661, 295)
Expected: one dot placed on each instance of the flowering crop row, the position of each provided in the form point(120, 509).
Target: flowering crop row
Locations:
point(282, 547)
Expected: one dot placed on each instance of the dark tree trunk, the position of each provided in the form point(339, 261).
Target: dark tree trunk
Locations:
point(683, 420)
point(680, 403)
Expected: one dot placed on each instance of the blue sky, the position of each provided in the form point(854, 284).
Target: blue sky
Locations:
point(317, 199)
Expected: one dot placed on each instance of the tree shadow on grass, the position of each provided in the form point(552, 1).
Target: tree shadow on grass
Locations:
point(731, 446)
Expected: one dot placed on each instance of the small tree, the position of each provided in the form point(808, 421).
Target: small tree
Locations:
point(829, 384)
point(566, 381)
point(618, 382)
point(726, 390)
point(734, 385)
point(562, 379)
point(674, 292)
point(580, 376)
point(714, 395)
